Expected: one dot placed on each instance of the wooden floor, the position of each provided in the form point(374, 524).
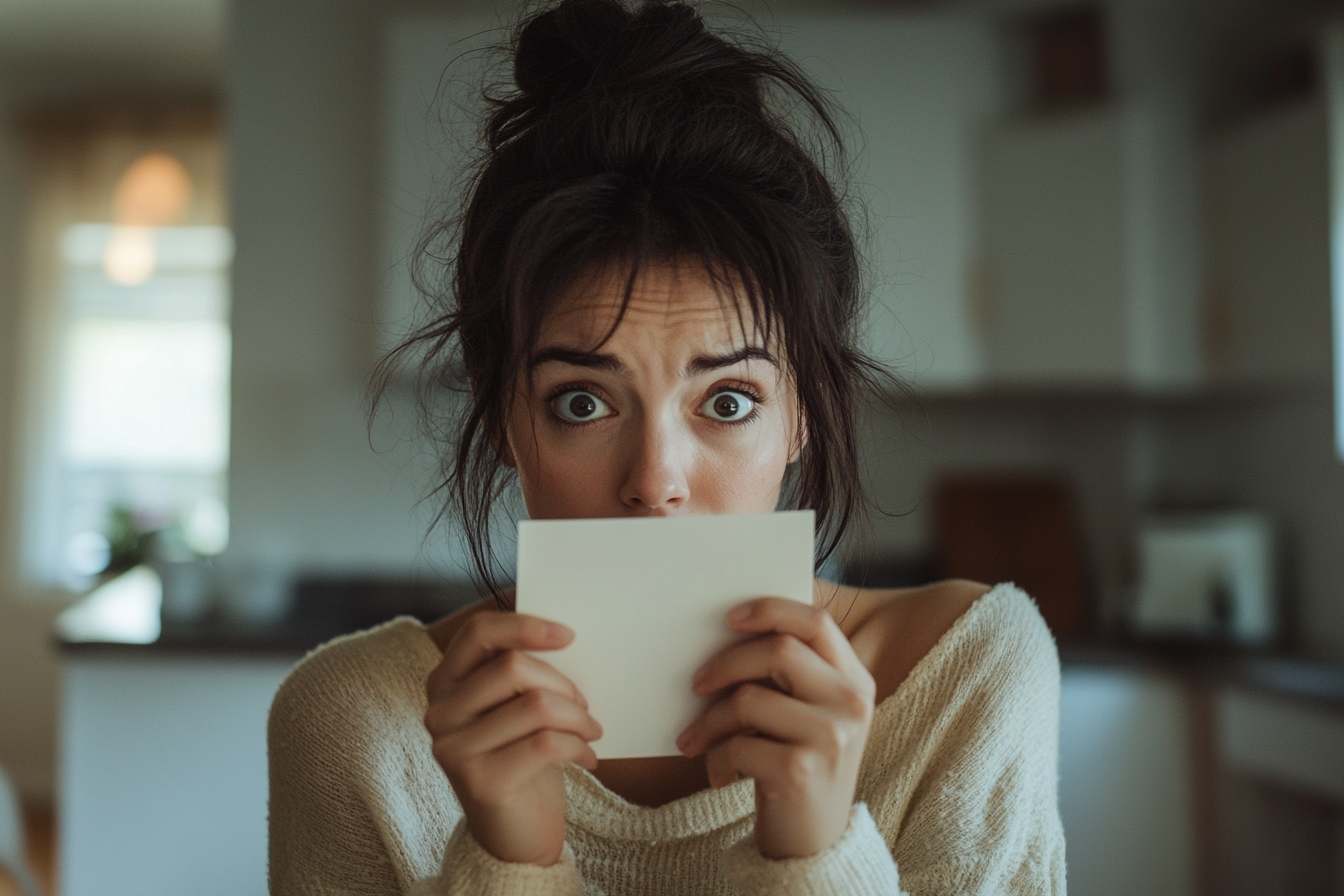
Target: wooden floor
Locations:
point(40, 835)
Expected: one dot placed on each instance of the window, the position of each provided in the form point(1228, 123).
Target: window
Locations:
point(132, 401)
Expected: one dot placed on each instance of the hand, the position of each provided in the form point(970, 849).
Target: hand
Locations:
point(794, 714)
point(504, 723)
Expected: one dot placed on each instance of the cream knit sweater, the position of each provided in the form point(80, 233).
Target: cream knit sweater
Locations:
point(957, 787)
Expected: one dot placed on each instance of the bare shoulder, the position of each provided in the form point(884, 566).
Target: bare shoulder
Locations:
point(891, 630)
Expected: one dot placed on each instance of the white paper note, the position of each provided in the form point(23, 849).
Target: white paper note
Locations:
point(647, 599)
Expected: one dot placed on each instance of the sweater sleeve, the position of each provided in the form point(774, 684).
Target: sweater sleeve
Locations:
point(858, 864)
point(358, 807)
point(984, 818)
point(325, 836)
point(469, 870)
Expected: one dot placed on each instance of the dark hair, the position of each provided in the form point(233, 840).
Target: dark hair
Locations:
point(633, 136)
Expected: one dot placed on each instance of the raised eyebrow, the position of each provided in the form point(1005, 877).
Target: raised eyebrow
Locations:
point(576, 358)
point(707, 363)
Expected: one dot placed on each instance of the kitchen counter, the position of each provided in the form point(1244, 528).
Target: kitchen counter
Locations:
point(321, 609)
point(324, 608)
point(1316, 681)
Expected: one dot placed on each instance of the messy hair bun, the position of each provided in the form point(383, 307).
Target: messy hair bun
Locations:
point(632, 135)
point(594, 58)
point(562, 51)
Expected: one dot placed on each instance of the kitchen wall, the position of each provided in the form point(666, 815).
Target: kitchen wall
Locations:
point(306, 491)
point(28, 667)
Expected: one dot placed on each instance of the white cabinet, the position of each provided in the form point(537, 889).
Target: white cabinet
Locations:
point(1054, 216)
point(1293, 742)
point(1279, 823)
point(1092, 249)
point(1125, 790)
point(163, 773)
point(1269, 219)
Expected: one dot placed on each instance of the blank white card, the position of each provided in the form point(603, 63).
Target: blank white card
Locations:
point(646, 599)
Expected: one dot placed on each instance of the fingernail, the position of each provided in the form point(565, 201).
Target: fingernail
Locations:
point(556, 631)
point(740, 614)
point(682, 740)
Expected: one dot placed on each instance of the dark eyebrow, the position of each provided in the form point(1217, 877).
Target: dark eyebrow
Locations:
point(600, 361)
point(705, 364)
point(594, 360)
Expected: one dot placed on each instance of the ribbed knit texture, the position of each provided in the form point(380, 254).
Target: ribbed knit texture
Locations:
point(957, 786)
point(858, 862)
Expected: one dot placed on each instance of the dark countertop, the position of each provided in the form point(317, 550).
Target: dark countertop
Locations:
point(323, 609)
point(1317, 681)
point(221, 637)
point(1314, 681)
point(320, 609)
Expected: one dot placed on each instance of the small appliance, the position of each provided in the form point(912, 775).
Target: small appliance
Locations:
point(1206, 575)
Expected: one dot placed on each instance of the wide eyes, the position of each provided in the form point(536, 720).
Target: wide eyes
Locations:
point(578, 406)
point(728, 407)
point(582, 406)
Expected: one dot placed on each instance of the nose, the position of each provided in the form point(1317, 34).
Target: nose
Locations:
point(656, 480)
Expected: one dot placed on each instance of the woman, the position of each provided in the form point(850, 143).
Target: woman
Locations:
point(654, 297)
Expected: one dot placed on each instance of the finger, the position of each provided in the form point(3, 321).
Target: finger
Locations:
point(486, 633)
point(744, 756)
point(752, 708)
point(499, 679)
point(783, 659)
point(515, 766)
point(504, 676)
point(811, 625)
point(519, 719)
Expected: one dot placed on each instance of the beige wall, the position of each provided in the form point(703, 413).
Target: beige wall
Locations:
point(29, 669)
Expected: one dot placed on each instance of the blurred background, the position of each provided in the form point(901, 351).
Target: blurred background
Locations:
point(1100, 237)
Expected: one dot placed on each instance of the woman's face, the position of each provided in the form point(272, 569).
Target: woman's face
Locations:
point(678, 412)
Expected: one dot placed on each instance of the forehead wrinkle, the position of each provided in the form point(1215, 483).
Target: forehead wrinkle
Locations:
point(600, 311)
point(667, 285)
point(590, 321)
